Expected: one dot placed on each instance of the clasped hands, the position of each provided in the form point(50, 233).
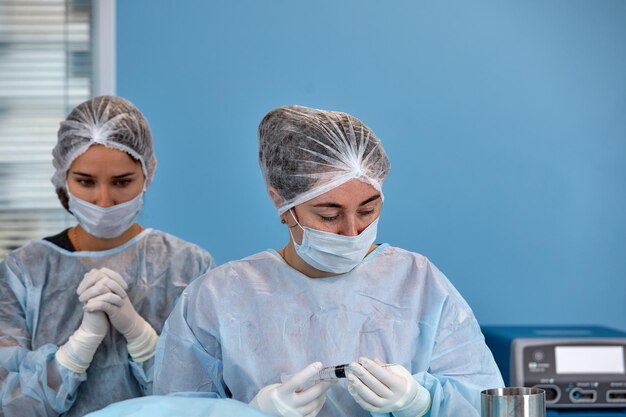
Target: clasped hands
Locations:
point(103, 292)
point(376, 388)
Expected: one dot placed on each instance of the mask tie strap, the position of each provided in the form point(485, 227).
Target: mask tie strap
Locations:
point(297, 222)
point(291, 227)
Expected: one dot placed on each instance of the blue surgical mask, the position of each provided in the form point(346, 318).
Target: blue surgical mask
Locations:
point(105, 222)
point(331, 252)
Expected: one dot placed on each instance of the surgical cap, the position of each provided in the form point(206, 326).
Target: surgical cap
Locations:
point(305, 152)
point(107, 120)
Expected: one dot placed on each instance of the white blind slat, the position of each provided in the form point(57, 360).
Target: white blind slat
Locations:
point(45, 70)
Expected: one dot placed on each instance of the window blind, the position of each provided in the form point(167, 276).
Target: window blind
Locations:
point(45, 70)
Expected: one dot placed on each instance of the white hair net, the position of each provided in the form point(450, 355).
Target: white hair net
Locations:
point(305, 152)
point(107, 120)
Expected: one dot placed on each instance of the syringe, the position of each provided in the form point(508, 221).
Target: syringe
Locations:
point(333, 373)
point(329, 374)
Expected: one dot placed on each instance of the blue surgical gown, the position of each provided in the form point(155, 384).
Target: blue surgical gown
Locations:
point(39, 311)
point(248, 323)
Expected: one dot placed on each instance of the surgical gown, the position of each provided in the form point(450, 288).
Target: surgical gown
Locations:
point(39, 311)
point(248, 323)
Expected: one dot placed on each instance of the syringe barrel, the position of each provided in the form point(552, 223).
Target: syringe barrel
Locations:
point(331, 373)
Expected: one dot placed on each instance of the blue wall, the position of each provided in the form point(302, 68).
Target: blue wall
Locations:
point(505, 123)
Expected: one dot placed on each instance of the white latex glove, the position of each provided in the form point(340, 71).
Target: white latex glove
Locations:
point(95, 323)
point(140, 336)
point(289, 399)
point(101, 281)
point(104, 291)
point(94, 283)
point(77, 353)
point(389, 389)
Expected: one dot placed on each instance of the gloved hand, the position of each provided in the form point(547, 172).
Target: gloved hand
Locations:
point(105, 290)
point(106, 294)
point(101, 281)
point(389, 389)
point(95, 323)
point(77, 353)
point(289, 399)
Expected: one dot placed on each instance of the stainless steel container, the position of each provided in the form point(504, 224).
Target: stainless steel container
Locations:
point(513, 402)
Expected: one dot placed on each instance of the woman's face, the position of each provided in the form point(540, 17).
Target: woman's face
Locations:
point(105, 176)
point(346, 210)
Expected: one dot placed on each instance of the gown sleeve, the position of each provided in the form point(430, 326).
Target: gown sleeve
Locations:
point(461, 365)
point(143, 373)
point(24, 372)
point(182, 362)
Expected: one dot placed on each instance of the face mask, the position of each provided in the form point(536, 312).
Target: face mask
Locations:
point(105, 222)
point(331, 252)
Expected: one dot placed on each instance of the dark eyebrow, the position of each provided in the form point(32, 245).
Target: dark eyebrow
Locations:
point(121, 176)
point(330, 205)
point(82, 174)
point(117, 177)
point(369, 200)
point(335, 205)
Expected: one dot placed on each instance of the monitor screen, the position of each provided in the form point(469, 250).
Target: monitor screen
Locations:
point(589, 359)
